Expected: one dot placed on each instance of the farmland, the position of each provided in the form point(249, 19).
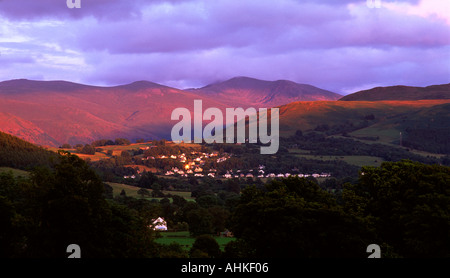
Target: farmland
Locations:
point(16, 172)
point(357, 160)
point(186, 241)
point(132, 191)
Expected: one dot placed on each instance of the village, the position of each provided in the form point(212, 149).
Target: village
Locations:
point(193, 165)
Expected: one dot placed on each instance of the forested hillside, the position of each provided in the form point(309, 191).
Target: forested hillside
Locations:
point(19, 154)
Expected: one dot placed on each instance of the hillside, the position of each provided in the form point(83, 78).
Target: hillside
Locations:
point(423, 123)
point(52, 113)
point(401, 93)
point(61, 112)
point(252, 92)
point(56, 112)
point(19, 154)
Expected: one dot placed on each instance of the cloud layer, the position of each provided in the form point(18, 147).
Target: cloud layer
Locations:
point(336, 45)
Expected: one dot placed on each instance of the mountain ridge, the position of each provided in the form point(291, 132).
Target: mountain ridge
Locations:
point(52, 113)
point(263, 93)
point(400, 92)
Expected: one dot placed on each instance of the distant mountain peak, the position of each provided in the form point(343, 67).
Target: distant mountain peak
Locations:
point(401, 92)
point(141, 85)
point(26, 85)
point(261, 93)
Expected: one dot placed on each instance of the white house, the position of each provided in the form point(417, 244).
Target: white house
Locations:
point(159, 224)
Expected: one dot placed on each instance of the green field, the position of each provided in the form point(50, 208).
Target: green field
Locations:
point(16, 172)
point(357, 160)
point(185, 240)
point(131, 191)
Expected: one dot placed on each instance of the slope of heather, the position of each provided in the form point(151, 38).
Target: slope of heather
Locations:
point(401, 93)
point(250, 92)
point(26, 130)
point(56, 112)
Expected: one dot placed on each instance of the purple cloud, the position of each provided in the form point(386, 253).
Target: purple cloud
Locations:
point(335, 45)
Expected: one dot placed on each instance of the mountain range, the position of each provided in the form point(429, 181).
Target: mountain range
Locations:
point(56, 112)
point(51, 113)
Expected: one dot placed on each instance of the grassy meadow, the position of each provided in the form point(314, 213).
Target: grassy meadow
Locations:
point(16, 172)
point(131, 191)
point(185, 240)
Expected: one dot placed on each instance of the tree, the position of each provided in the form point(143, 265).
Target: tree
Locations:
point(108, 191)
point(122, 141)
point(408, 203)
point(7, 232)
point(233, 186)
point(143, 192)
point(41, 215)
point(173, 250)
point(207, 201)
point(207, 244)
point(88, 149)
point(219, 218)
point(147, 179)
point(294, 217)
point(200, 222)
point(123, 193)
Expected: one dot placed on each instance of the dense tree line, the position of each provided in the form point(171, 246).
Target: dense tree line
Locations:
point(408, 205)
point(319, 144)
point(53, 208)
point(20, 154)
point(404, 207)
point(427, 139)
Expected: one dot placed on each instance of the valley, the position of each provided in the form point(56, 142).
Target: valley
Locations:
point(104, 154)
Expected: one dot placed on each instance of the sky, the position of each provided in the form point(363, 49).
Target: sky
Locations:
point(339, 45)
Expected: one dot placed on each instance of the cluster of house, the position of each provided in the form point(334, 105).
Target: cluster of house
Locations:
point(197, 171)
point(193, 166)
point(229, 175)
point(182, 157)
point(261, 174)
point(200, 157)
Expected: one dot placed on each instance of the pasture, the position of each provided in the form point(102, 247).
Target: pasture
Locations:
point(185, 239)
